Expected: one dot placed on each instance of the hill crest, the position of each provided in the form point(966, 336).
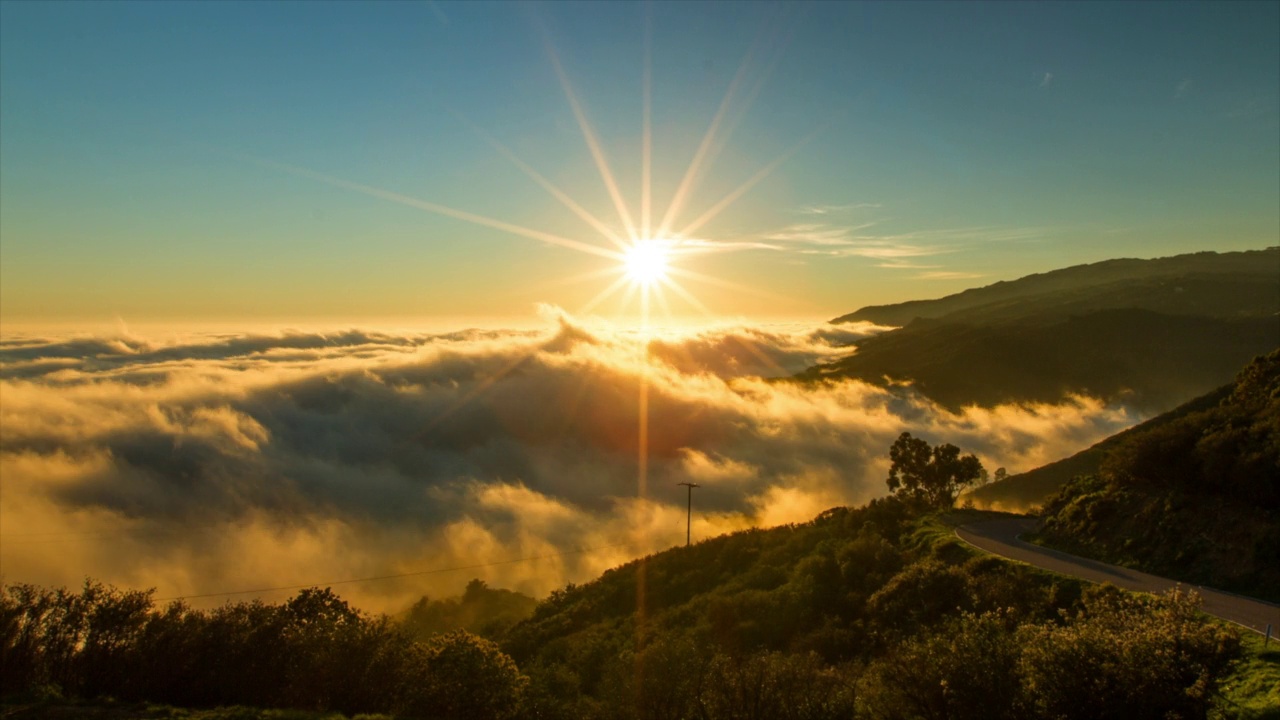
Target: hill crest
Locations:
point(1159, 284)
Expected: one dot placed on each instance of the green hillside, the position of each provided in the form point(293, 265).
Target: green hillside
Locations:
point(1032, 488)
point(874, 612)
point(1195, 496)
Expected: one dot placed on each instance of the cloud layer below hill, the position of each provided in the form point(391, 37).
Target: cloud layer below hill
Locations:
point(238, 461)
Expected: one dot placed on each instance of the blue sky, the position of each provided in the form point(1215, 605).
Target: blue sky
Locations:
point(142, 145)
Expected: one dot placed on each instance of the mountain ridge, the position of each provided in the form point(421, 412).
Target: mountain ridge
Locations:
point(1264, 265)
point(1150, 334)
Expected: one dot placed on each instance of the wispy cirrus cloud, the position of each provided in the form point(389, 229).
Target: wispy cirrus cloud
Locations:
point(833, 239)
point(837, 209)
point(817, 234)
point(905, 265)
point(946, 275)
point(882, 250)
point(706, 245)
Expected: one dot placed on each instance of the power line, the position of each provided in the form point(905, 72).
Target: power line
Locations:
point(395, 576)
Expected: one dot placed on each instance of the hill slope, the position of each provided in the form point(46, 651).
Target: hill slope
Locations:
point(1195, 496)
point(873, 612)
point(1207, 283)
point(1149, 333)
point(1034, 487)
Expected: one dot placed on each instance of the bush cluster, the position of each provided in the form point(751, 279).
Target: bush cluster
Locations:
point(313, 652)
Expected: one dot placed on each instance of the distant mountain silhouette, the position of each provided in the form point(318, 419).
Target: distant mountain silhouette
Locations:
point(1150, 333)
point(1233, 284)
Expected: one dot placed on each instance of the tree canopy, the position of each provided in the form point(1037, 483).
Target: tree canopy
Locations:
point(931, 476)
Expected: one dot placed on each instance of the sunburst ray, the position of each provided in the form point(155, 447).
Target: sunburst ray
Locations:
point(751, 182)
point(589, 135)
point(646, 139)
point(440, 209)
point(603, 295)
point(546, 184)
point(708, 139)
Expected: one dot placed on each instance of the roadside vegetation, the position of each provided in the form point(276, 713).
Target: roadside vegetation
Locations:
point(1196, 498)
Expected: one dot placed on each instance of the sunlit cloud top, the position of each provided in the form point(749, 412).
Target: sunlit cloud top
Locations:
point(203, 463)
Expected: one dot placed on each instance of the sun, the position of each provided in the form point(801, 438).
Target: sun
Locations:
point(645, 261)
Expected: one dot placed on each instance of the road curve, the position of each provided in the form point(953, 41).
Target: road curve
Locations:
point(1001, 537)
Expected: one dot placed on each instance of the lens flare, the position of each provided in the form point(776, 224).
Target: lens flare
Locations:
point(646, 261)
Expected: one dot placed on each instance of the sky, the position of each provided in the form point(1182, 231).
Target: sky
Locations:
point(258, 161)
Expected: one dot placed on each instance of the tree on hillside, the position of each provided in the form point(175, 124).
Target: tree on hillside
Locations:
point(932, 476)
point(465, 676)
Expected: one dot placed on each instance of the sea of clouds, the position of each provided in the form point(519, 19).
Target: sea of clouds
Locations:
point(241, 461)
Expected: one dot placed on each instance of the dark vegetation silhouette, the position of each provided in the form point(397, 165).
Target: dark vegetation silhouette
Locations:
point(930, 476)
point(312, 652)
point(874, 612)
point(1194, 497)
point(1149, 333)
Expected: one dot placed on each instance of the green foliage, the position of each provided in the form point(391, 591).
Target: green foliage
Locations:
point(1195, 497)
point(1120, 656)
point(464, 677)
point(967, 669)
point(923, 594)
point(1035, 486)
point(314, 652)
point(1117, 656)
point(930, 476)
point(1231, 450)
point(776, 686)
point(1251, 691)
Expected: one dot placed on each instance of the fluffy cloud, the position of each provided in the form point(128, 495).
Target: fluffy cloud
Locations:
point(219, 463)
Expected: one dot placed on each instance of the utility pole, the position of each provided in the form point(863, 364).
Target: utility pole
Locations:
point(688, 524)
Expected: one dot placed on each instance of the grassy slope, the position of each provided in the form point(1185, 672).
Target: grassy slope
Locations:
point(1252, 692)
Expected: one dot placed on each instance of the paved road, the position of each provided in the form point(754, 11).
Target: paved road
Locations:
point(1000, 537)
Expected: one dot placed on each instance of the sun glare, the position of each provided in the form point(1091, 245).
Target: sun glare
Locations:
point(646, 261)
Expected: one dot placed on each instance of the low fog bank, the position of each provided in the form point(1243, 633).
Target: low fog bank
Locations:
point(241, 461)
